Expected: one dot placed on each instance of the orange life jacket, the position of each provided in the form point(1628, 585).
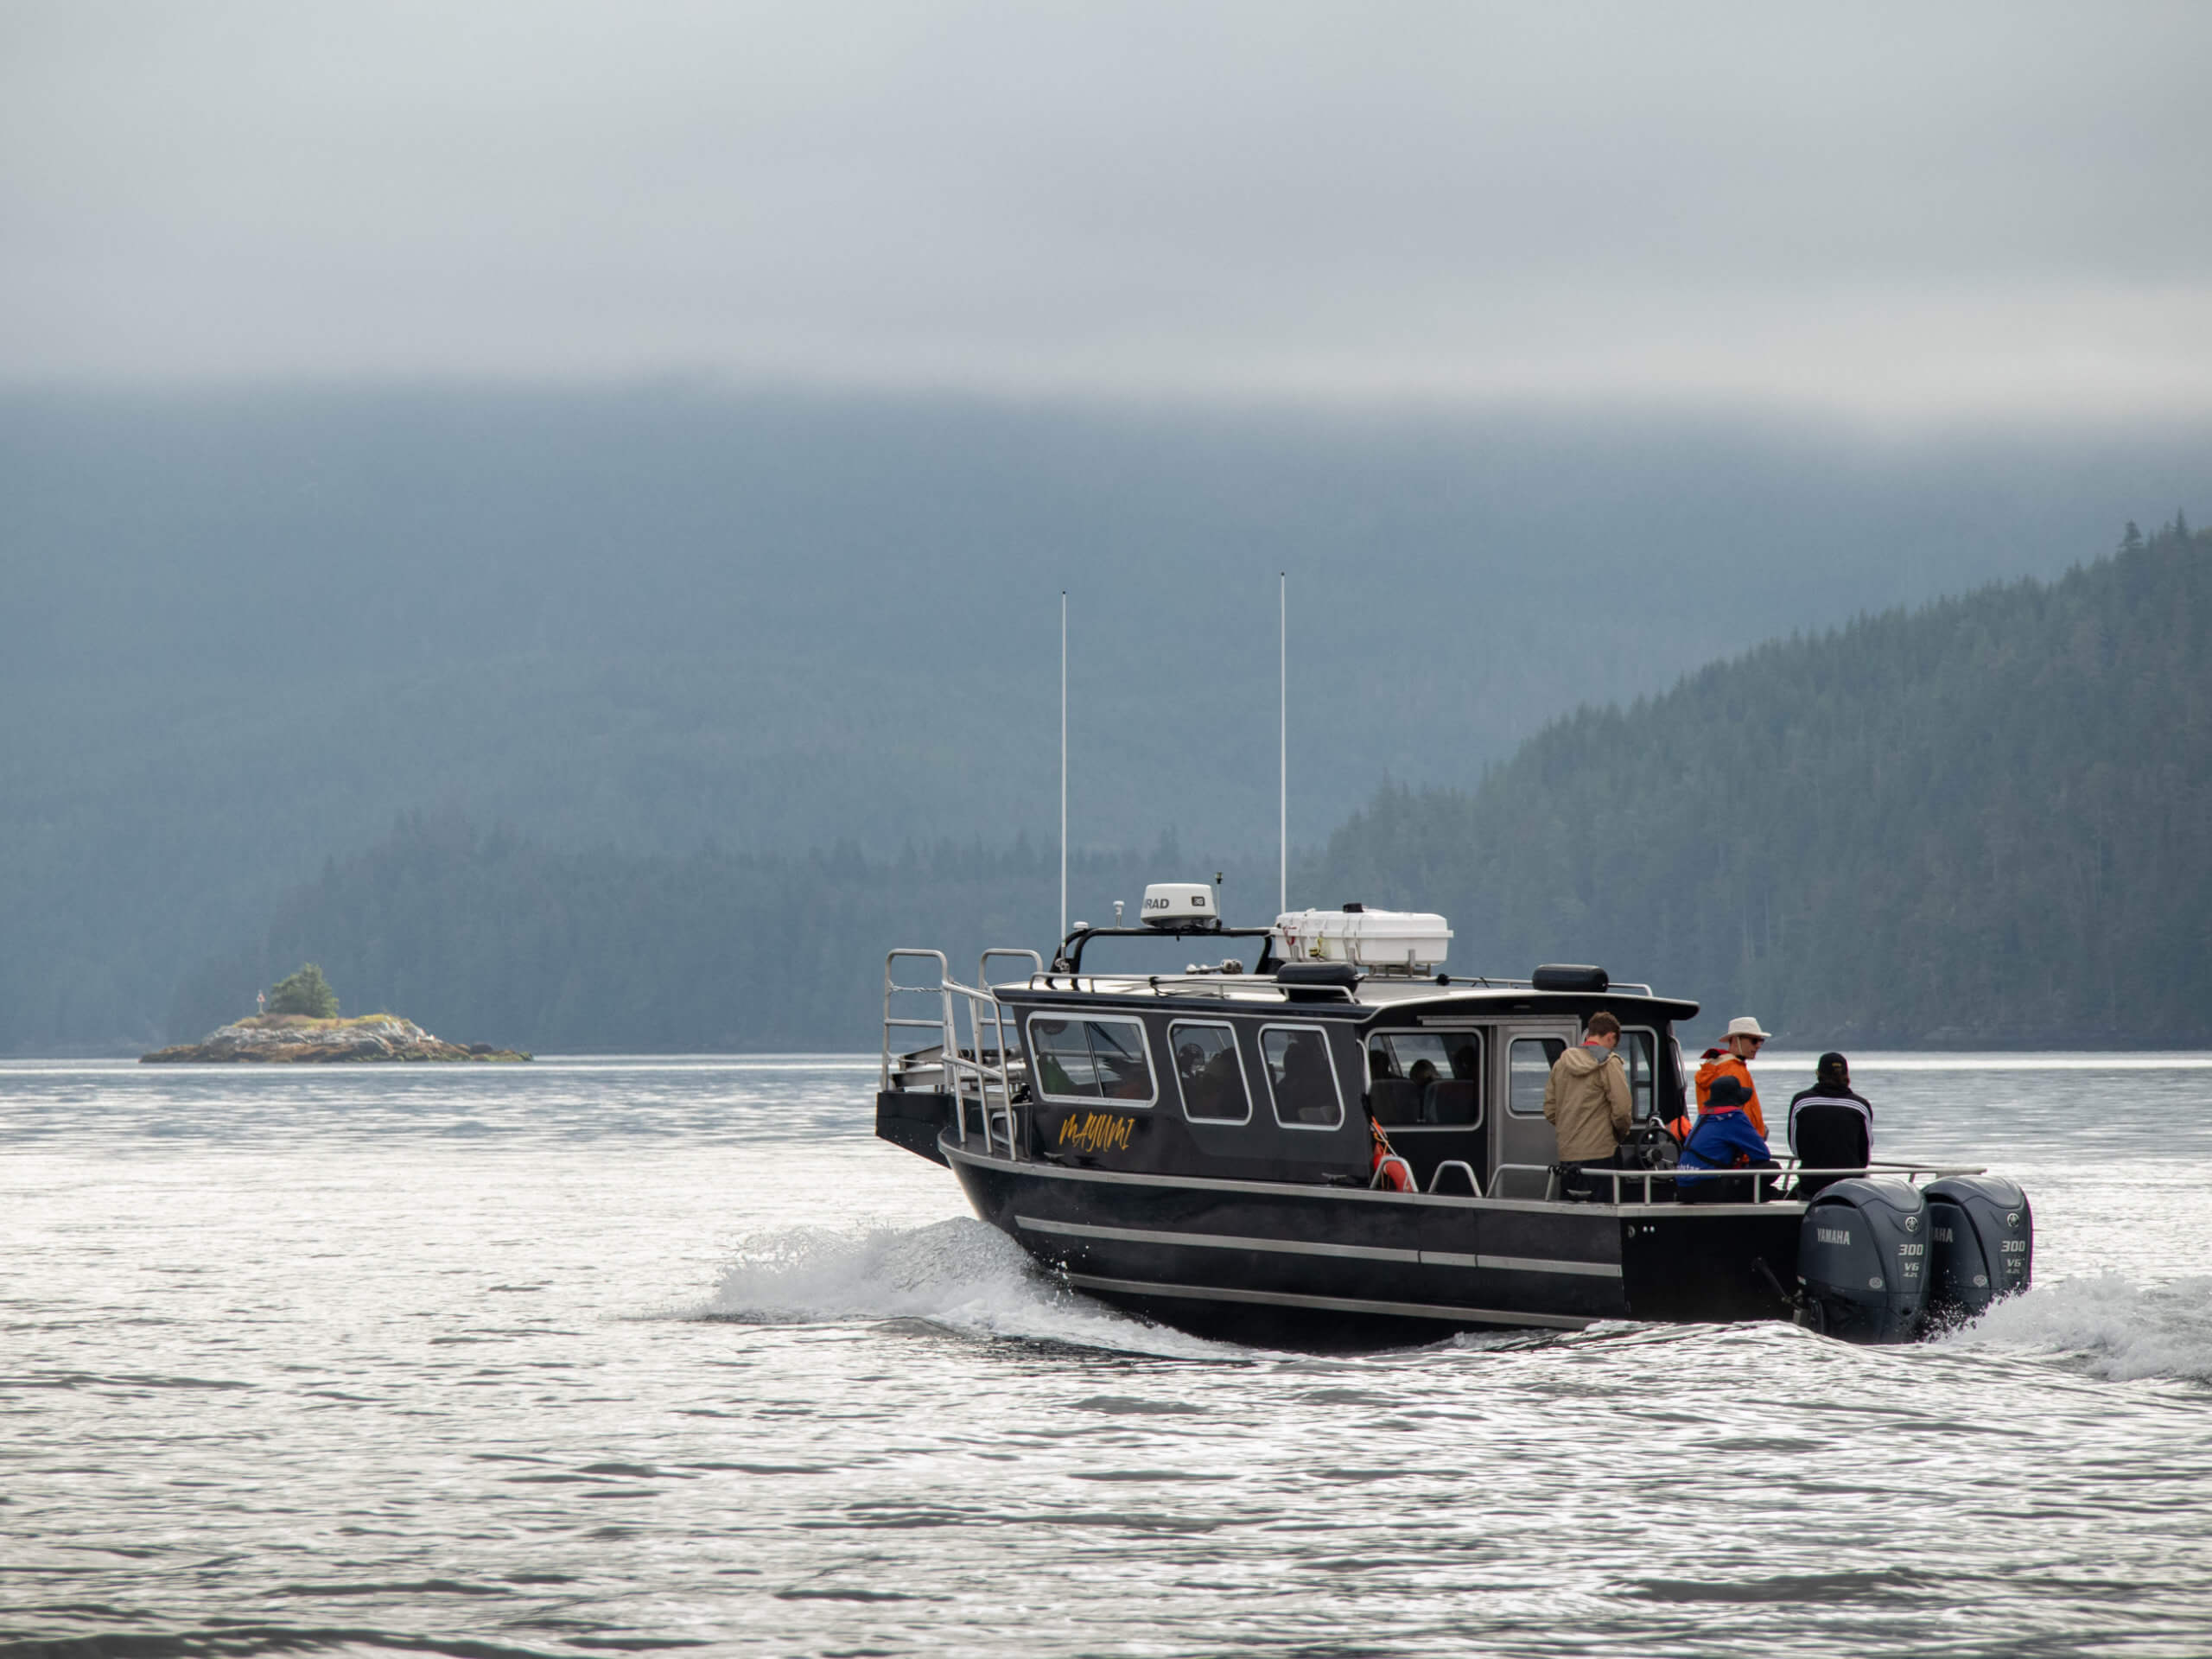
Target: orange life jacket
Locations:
point(1726, 1064)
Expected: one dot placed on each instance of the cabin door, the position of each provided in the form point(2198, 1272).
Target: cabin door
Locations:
point(1526, 1051)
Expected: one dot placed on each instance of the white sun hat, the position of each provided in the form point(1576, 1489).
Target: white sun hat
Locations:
point(1745, 1026)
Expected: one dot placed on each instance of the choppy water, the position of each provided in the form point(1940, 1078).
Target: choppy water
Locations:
point(584, 1357)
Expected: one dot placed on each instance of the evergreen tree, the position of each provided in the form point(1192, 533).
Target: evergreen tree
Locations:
point(305, 992)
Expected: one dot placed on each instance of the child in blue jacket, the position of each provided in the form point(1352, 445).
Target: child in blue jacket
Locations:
point(1723, 1138)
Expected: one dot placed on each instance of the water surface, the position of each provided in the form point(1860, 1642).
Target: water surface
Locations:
point(617, 1356)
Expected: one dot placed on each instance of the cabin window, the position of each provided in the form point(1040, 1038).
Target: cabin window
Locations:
point(1091, 1059)
point(1639, 1054)
point(1210, 1072)
point(1426, 1079)
point(1532, 1059)
point(1301, 1078)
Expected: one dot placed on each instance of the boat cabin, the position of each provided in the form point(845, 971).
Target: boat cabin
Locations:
point(1272, 1071)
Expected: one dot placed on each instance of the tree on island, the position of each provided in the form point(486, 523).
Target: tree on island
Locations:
point(306, 992)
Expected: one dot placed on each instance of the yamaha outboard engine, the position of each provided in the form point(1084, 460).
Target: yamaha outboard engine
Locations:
point(1862, 1257)
point(1981, 1243)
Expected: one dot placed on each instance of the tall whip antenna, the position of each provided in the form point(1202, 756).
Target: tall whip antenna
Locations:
point(1064, 763)
point(1282, 769)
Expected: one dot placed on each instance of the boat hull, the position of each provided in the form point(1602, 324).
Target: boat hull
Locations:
point(1317, 1267)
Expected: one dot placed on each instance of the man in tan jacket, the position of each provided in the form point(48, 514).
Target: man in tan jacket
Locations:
point(1586, 1101)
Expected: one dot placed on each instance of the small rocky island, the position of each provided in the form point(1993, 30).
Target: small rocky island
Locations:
point(300, 1026)
point(296, 1038)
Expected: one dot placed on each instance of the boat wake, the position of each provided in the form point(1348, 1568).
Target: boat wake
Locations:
point(964, 1277)
point(2106, 1325)
point(960, 1276)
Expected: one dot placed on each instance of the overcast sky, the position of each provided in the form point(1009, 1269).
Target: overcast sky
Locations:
point(1894, 210)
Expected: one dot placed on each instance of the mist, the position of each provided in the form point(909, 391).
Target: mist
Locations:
point(1985, 210)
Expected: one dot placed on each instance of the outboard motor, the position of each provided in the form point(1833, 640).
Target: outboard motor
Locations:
point(1982, 1242)
point(1862, 1257)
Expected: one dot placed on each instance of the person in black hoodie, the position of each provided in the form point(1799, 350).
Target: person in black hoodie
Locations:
point(1831, 1125)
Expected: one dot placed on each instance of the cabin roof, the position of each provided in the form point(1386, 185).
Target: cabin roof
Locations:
point(1370, 997)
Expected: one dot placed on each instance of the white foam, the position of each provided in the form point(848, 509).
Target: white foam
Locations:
point(2116, 1329)
point(960, 1275)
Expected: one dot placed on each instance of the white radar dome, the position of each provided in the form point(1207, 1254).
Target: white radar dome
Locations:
point(1179, 904)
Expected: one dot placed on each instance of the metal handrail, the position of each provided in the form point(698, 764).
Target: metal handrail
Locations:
point(961, 1069)
point(1177, 984)
point(1389, 1159)
point(980, 1072)
point(942, 1023)
point(983, 963)
point(1474, 1181)
point(1497, 983)
point(1764, 1190)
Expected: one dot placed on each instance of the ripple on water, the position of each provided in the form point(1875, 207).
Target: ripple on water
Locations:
point(614, 1357)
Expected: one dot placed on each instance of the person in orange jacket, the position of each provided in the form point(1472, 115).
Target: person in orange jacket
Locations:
point(1731, 1059)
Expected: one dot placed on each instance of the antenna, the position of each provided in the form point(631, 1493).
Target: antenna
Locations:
point(1064, 763)
point(1282, 822)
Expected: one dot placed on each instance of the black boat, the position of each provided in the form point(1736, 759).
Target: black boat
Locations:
point(1196, 1146)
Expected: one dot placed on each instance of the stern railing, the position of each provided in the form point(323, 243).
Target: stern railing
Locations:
point(940, 1022)
point(979, 1074)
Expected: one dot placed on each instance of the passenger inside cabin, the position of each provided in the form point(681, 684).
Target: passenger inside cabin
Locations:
point(1416, 1081)
point(1213, 1083)
point(1303, 1092)
point(1831, 1126)
point(1423, 1076)
point(1051, 1076)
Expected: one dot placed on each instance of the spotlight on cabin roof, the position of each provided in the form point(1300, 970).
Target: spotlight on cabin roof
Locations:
point(1179, 904)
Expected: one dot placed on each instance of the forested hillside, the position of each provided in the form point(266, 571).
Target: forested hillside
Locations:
point(244, 631)
point(1986, 820)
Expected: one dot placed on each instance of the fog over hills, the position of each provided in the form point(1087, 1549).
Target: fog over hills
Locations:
point(250, 630)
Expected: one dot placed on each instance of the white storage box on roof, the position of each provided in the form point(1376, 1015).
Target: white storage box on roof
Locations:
point(1408, 940)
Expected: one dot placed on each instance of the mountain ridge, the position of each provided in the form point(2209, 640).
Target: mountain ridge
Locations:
point(247, 632)
point(1984, 820)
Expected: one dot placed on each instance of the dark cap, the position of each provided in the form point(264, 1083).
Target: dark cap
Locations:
point(1832, 1070)
point(1726, 1094)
